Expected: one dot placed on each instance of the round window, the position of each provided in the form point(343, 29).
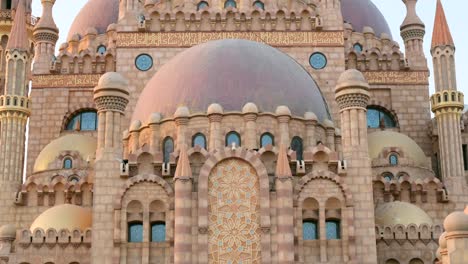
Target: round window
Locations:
point(358, 48)
point(318, 61)
point(101, 49)
point(144, 62)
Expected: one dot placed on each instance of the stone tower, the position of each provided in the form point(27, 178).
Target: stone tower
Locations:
point(15, 108)
point(447, 105)
point(412, 31)
point(352, 95)
point(45, 36)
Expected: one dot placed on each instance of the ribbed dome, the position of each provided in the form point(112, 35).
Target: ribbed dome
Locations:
point(231, 72)
point(400, 213)
point(101, 13)
point(97, 14)
point(361, 13)
point(64, 216)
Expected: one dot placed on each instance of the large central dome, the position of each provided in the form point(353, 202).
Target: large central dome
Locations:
point(231, 72)
point(101, 13)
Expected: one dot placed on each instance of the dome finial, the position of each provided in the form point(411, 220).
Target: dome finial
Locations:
point(412, 18)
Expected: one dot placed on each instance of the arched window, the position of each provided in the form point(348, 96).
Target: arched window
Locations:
point(378, 118)
point(135, 232)
point(230, 3)
point(393, 159)
point(416, 261)
point(168, 148)
point(333, 229)
point(309, 230)
point(158, 232)
point(267, 139)
point(357, 47)
point(199, 140)
point(259, 4)
point(101, 49)
point(85, 121)
point(388, 176)
point(296, 145)
point(202, 5)
point(73, 179)
point(233, 137)
point(67, 163)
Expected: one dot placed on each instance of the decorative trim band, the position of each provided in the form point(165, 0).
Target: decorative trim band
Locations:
point(188, 39)
point(397, 77)
point(65, 80)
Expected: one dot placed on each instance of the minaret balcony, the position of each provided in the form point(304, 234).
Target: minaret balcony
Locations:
point(447, 101)
point(15, 103)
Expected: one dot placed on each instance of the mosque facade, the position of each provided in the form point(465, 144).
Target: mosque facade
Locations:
point(230, 131)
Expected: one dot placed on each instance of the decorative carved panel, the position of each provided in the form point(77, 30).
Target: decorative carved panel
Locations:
point(234, 220)
point(65, 80)
point(397, 77)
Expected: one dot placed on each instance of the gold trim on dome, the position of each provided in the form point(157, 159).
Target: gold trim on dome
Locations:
point(65, 80)
point(397, 77)
point(188, 39)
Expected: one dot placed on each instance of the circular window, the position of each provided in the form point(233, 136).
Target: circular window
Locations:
point(318, 61)
point(144, 62)
point(357, 47)
point(101, 49)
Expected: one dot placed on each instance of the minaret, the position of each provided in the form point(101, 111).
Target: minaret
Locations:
point(14, 112)
point(45, 37)
point(447, 105)
point(412, 31)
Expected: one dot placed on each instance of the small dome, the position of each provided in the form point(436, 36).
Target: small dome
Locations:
point(351, 78)
point(328, 123)
point(85, 145)
point(135, 125)
point(368, 30)
point(215, 109)
point(91, 31)
point(8, 231)
point(112, 27)
point(250, 108)
point(197, 77)
point(283, 110)
point(456, 221)
point(64, 216)
point(310, 116)
point(386, 139)
point(182, 111)
point(154, 118)
point(112, 80)
point(400, 213)
point(95, 13)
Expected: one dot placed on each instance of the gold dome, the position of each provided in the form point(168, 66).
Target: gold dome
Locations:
point(65, 216)
point(395, 213)
point(85, 145)
point(387, 139)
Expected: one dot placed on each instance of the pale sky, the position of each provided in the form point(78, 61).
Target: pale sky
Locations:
point(393, 10)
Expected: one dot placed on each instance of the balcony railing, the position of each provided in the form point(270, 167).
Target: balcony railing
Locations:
point(6, 14)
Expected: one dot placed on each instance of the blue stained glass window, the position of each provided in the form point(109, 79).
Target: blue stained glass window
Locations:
point(202, 5)
point(158, 232)
point(230, 3)
point(101, 49)
point(309, 230)
point(296, 145)
point(393, 159)
point(388, 176)
point(377, 117)
point(318, 60)
point(86, 121)
point(233, 137)
point(266, 139)
point(135, 232)
point(144, 62)
point(333, 229)
point(168, 147)
point(199, 140)
point(67, 163)
point(357, 47)
point(259, 4)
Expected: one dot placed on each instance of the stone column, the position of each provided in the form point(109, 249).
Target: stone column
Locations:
point(311, 124)
point(153, 123)
point(181, 117)
point(352, 96)
point(330, 132)
point(135, 136)
point(250, 112)
point(283, 115)
point(45, 38)
point(215, 115)
point(284, 203)
point(183, 210)
point(111, 98)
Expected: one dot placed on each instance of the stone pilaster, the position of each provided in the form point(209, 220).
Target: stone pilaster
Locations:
point(215, 115)
point(250, 112)
point(181, 117)
point(311, 123)
point(283, 116)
